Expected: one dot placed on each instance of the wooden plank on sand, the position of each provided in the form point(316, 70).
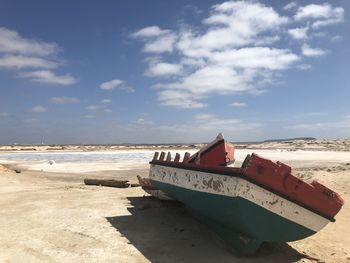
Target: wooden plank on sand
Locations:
point(106, 182)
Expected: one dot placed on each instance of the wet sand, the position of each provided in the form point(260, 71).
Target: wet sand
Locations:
point(54, 217)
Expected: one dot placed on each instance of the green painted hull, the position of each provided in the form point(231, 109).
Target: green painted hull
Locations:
point(241, 223)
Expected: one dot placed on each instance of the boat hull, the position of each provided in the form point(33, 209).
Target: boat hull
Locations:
point(243, 213)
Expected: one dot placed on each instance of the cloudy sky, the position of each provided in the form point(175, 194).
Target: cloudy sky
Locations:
point(173, 71)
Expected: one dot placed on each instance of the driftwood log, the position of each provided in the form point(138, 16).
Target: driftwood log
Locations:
point(105, 182)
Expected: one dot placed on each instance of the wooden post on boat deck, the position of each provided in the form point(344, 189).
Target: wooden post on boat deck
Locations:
point(162, 155)
point(168, 157)
point(186, 157)
point(155, 156)
point(177, 158)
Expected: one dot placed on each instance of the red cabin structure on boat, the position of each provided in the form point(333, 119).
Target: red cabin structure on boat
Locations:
point(277, 177)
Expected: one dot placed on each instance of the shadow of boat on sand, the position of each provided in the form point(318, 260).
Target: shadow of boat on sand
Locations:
point(165, 232)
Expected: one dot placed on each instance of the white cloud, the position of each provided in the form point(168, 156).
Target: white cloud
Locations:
point(39, 109)
point(324, 14)
point(179, 99)
point(64, 100)
point(298, 33)
point(326, 22)
point(157, 68)
point(255, 57)
point(213, 79)
point(239, 104)
point(161, 44)
point(156, 40)
point(232, 10)
point(106, 101)
point(312, 52)
point(49, 77)
point(151, 31)
point(234, 52)
point(116, 83)
point(316, 11)
point(19, 62)
point(3, 114)
point(291, 5)
point(313, 11)
point(18, 53)
point(112, 84)
point(217, 78)
point(233, 24)
point(12, 42)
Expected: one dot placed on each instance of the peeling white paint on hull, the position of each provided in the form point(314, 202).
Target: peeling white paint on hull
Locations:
point(231, 186)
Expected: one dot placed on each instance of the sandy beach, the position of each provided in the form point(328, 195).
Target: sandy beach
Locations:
point(49, 215)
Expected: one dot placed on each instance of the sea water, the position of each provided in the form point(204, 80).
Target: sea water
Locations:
point(144, 156)
point(139, 156)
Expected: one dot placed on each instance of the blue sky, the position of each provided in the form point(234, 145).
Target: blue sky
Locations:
point(173, 71)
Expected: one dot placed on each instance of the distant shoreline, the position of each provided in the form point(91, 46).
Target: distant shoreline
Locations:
point(289, 144)
point(186, 145)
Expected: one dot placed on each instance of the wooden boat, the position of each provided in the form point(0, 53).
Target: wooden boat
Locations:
point(261, 201)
